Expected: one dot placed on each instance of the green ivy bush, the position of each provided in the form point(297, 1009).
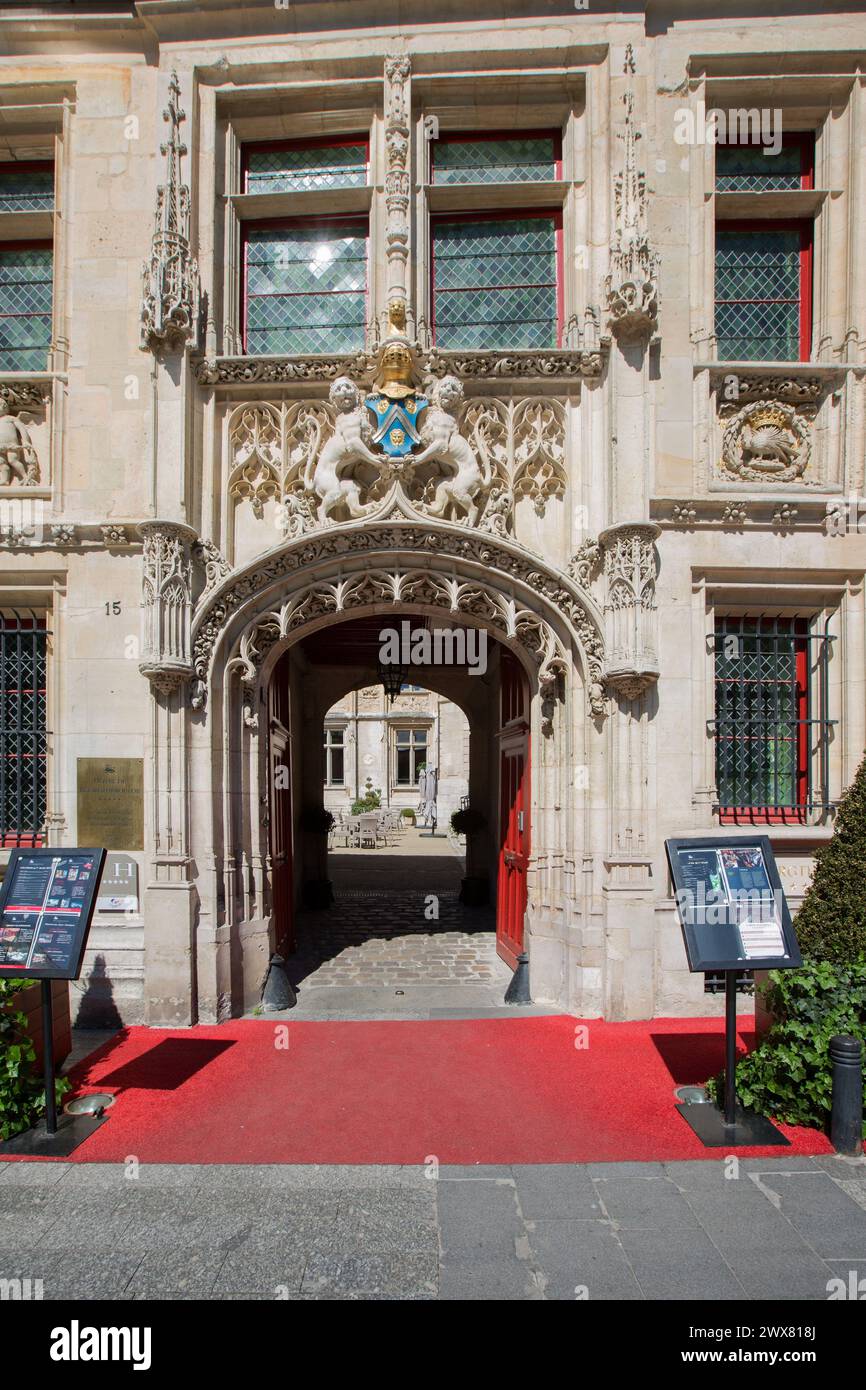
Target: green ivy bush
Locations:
point(789, 1076)
point(22, 1095)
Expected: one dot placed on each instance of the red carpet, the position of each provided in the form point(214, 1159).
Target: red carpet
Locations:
point(510, 1090)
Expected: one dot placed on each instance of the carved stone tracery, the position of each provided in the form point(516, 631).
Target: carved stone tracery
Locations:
point(631, 286)
point(407, 584)
point(630, 572)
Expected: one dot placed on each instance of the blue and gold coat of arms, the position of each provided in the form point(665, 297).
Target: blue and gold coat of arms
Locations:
point(396, 430)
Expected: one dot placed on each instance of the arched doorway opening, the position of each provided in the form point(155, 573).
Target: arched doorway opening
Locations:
point(432, 896)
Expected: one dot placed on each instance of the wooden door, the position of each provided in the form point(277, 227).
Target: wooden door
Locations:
point(514, 840)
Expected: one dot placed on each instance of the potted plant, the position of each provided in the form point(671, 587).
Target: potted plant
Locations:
point(22, 1089)
point(475, 888)
point(408, 815)
point(317, 822)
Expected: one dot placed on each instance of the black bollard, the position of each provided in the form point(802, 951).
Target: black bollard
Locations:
point(278, 993)
point(846, 1121)
point(518, 986)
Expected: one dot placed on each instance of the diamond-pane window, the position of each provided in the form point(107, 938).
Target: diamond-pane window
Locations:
point(761, 281)
point(768, 735)
point(26, 187)
point(299, 168)
point(306, 288)
point(519, 159)
point(753, 169)
point(22, 730)
point(495, 282)
point(26, 276)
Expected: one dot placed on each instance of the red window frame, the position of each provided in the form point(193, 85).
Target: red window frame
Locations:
point(474, 137)
point(786, 815)
point(807, 241)
point(314, 142)
point(313, 220)
point(553, 215)
point(806, 141)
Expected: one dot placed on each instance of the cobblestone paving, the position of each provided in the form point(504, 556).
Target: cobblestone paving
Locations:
point(384, 939)
point(786, 1228)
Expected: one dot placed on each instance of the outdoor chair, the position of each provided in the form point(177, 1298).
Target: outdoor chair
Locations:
point(368, 828)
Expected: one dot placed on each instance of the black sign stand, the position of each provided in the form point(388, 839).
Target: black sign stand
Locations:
point(53, 1136)
point(732, 1127)
point(697, 866)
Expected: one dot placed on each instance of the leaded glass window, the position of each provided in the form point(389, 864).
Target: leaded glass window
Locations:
point(495, 282)
point(752, 169)
point(411, 755)
point(299, 168)
point(26, 188)
point(306, 288)
point(26, 275)
point(22, 729)
point(518, 159)
point(759, 291)
point(762, 712)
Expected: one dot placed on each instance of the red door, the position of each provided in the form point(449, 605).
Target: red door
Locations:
point(511, 893)
point(280, 829)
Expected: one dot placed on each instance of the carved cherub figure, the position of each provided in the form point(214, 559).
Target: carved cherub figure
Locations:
point(18, 461)
point(444, 443)
point(326, 476)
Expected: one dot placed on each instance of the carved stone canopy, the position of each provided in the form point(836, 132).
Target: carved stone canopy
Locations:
point(439, 566)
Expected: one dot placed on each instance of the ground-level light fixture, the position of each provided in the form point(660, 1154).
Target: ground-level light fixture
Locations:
point(691, 1095)
point(90, 1105)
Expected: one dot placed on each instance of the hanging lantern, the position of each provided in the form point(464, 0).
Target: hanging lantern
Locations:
point(393, 678)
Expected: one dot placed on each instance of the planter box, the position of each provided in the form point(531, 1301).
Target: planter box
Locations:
point(29, 1002)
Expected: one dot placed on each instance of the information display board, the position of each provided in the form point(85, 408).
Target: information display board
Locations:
point(731, 904)
point(46, 907)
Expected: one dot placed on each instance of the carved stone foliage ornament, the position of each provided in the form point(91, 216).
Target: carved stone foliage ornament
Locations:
point(430, 453)
point(555, 365)
point(630, 572)
point(166, 602)
point(631, 287)
point(171, 292)
point(401, 584)
point(767, 441)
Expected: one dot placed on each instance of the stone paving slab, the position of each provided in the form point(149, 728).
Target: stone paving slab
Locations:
point(778, 1229)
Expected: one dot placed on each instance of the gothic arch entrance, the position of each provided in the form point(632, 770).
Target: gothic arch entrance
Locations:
point(540, 618)
point(414, 867)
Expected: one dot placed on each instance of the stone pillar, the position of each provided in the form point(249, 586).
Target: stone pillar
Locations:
point(167, 663)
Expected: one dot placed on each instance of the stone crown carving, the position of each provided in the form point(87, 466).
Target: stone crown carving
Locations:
point(171, 293)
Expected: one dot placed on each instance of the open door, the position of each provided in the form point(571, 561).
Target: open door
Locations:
point(280, 827)
point(511, 894)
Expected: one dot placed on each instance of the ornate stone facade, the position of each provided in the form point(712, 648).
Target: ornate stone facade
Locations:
point(190, 524)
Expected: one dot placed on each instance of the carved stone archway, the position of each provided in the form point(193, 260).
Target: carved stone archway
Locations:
point(245, 619)
point(533, 607)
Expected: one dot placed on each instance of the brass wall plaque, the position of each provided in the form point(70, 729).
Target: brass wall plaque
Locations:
point(111, 802)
